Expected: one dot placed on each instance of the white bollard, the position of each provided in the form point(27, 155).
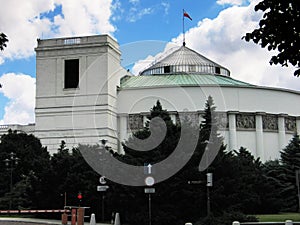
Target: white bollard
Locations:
point(117, 219)
point(93, 219)
point(188, 224)
point(288, 222)
point(235, 223)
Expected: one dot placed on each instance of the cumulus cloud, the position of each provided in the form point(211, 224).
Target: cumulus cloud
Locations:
point(142, 64)
point(78, 17)
point(96, 14)
point(230, 2)
point(19, 89)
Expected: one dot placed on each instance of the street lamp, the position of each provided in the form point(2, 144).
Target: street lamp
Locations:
point(10, 163)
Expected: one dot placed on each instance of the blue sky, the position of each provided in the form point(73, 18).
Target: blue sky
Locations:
point(143, 29)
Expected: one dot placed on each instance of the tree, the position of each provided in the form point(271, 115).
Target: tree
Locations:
point(279, 30)
point(290, 159)
point(30, 176)
point(174, 201)
point(272, 195)
point(3, 41)
point(70, 175)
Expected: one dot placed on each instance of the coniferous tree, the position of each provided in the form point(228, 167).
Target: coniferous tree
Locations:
point(174, 201)
point(290, 159)
point(272, 194)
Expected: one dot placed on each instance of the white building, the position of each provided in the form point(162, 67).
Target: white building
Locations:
point(84, 95)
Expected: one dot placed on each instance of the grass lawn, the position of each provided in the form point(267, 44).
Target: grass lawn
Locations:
point(281, 217)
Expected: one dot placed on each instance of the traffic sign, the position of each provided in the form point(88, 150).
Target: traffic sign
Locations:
point(102, 188)
point(147, 168)
point(102, 180)
point(195, 182)
point(149, 190)
point(209, 179)
point(149, 181)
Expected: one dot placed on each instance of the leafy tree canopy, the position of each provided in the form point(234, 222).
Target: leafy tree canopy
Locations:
point(279, 30)
point(29, 174)
point(3, 41)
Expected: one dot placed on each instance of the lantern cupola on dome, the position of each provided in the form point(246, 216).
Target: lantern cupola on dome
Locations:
point(185, 61)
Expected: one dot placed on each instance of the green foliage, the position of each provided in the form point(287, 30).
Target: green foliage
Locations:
point(280, 18)
point(236, 177)
point(3, 41)
point(163, 150)
point(226, 219)
point(241, 184)
point(28, 175)
point(71, 175)
point(290, 159)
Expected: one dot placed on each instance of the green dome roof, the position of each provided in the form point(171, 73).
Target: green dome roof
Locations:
point(179, 80)
point(182, 67)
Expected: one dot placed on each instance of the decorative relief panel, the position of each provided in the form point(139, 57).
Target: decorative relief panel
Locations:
point(270, 122)
point(135, 122)
point(191, 117)
point(290, 124)
point(222, 120)
point(245, 121)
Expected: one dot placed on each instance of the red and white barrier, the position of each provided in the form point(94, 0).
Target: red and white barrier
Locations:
point(33, 211)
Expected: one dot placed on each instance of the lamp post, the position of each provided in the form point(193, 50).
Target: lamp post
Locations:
point(10, 163)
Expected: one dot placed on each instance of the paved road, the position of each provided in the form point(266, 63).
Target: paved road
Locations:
point(29, 221)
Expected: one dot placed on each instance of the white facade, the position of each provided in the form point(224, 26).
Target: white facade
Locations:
point(85, 113)
point(262, 119)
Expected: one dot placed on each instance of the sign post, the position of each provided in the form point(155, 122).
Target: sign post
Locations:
point(149, 181)
point(102, 188)
point(209, 184)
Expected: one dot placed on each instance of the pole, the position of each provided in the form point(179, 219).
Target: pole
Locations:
point(102, 207)
point(208, 202)
point(65, 198)
point(149, 208)
point(11, 184)
point(183, 31)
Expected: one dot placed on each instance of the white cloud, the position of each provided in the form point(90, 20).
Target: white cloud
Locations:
point(166, 7)
point(19, 89)
point(134, 1)
point(145, 63)
point(84, 17)
point(136, 13)
point(230, 2)
point(24, 24)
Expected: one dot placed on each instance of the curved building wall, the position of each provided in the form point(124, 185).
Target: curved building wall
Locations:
point(261, 119)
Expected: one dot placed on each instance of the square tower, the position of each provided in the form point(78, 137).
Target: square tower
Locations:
point(76, 90)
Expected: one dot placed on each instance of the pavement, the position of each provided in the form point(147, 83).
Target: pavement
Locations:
point(31, 221)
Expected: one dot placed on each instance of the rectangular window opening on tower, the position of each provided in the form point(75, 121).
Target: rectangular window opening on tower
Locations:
point(218, 70)
point(71, 73)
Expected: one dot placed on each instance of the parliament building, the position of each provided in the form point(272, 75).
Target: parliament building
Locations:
point(83, 95)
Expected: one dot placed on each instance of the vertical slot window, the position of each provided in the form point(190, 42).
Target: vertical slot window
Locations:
point(71, 73)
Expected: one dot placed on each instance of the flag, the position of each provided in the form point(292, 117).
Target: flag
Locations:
point(185, 14)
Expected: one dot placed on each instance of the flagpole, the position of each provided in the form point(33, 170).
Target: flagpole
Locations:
point(183, 31)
